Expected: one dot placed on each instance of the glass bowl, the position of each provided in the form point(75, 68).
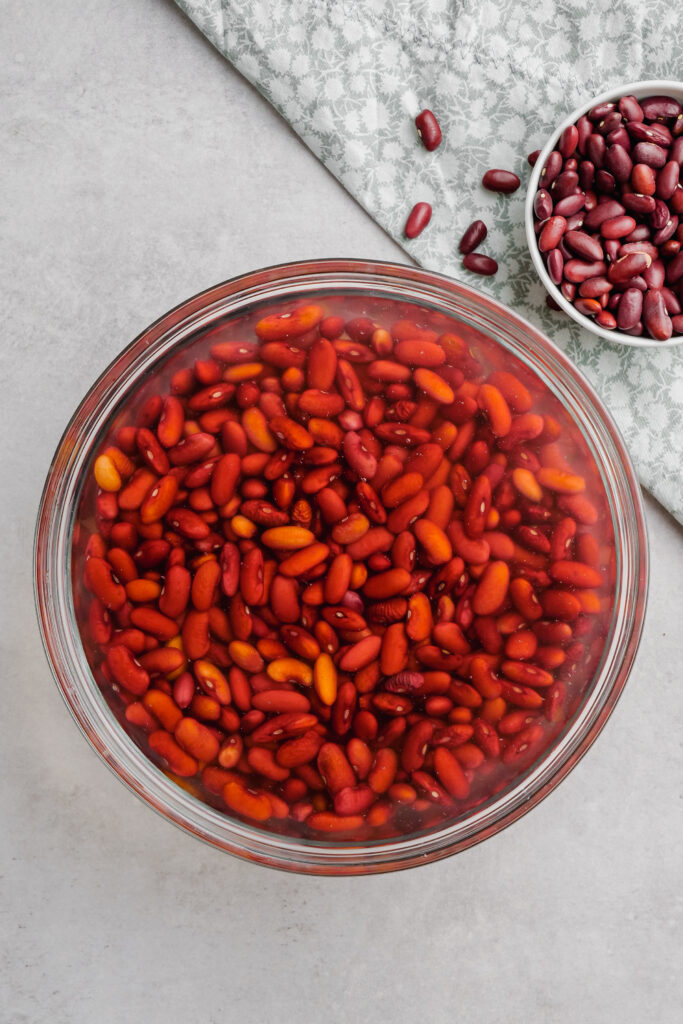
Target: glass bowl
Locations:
point(159, 351)
point(655, 87)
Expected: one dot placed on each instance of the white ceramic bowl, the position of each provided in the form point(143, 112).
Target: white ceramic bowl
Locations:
point(640, 90)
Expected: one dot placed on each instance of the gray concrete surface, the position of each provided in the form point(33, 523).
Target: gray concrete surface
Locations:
point(137, 169)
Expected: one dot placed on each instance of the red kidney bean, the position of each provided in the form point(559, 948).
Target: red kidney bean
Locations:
point(665, 107)
point(655, 317)
point(628, 266)
point(565, 184)
point(563, 250)
point(543, 204)
point(589, 307)
point(610, 122)
point(637, 282)
point(418, 219)
point(551, 170)
point(642, 246)
point(630, 309)
point(480, 264)
point(667, 179)
point(473, 237)
point(575, 222)
point(584, 245)
point(595, 150)
point(606, 320)
point(666, 232)
point(570, 205)
point(585, 129)
point(676, 152)
point(594, 287)
point(674, 271)
point(428, 129)
point(501, 181)
point(533, 157)
point(605, 182)
point(569, 140)
point(619, 137)
point(576, 271)
point(660, 215)
point(618, 163)
point(617, 227)
point(586, 172)
point(654, 274)
point(604, 211)
point(640, 233)
point(555, 263)
point(551, 233)
point(649, 153)
point(631, 109)
point(643, 180)
point(671, 302)
point(639, 204)
point(653, 132)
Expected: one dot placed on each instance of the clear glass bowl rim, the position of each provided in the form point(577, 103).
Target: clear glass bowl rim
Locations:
point(52, 558)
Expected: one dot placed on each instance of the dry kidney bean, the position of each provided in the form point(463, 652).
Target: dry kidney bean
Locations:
point(629, 154)
point(630, 309)
point(474, 236)
point(576, 271)
point(656, 320)
point(584, 245)
point(354, 614)
point(551, 233)
point(480, 264)
point(631, 109)
point(428, 129)
point(565, 184)
point(649, 153)
point(418, 219)
point(555, 264)
point(671, 301)
point(543, 204)
point(638, 203)
point(618, 163)
point(656, 107)
point(569, 139)
point(570, 205)
point(606, 320)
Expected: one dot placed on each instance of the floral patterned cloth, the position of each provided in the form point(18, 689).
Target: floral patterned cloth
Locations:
point(350, 76)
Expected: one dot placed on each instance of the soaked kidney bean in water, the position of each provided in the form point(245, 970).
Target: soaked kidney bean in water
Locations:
point(346, 568)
